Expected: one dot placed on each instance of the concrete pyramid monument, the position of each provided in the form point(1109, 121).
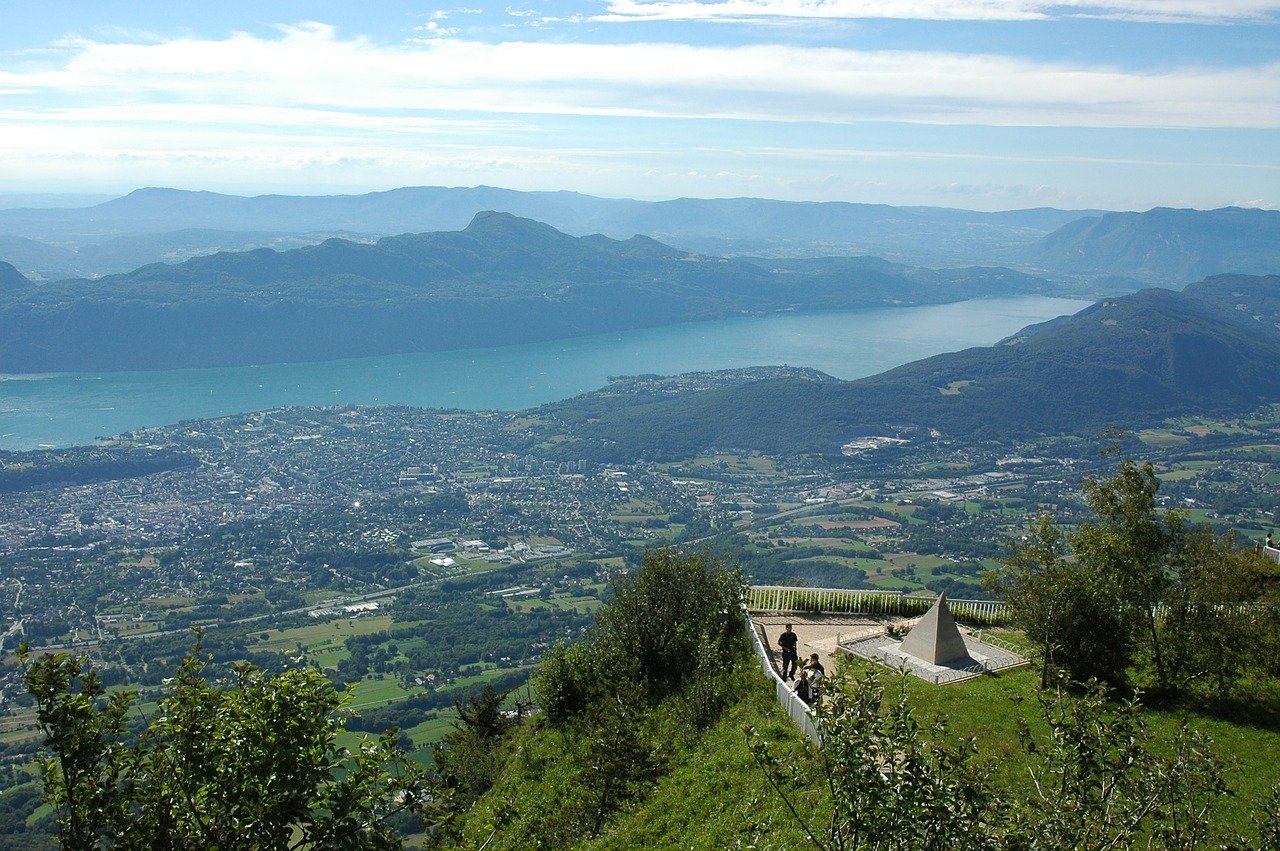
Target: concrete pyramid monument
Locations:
point(936, 639)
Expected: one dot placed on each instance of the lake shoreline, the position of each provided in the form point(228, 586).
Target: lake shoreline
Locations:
point(64, 409)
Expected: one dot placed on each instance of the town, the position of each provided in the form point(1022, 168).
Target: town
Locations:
point(298, 507)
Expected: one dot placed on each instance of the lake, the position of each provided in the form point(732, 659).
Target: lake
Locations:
point(72, 408)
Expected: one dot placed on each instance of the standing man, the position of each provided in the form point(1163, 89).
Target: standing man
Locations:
point(787, 641)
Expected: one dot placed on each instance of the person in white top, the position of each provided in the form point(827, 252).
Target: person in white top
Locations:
point(817, 673)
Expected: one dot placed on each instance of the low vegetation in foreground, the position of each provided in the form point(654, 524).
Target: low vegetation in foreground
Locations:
point(657, 730)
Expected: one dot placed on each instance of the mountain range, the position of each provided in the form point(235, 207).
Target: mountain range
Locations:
point(501, 280)
point(1162, 246)
point(916, 235)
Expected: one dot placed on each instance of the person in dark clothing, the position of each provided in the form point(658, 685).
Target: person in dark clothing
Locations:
point(804, 690)
point(787, 641)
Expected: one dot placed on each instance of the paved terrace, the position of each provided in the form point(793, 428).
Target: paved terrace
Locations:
point(817, 633)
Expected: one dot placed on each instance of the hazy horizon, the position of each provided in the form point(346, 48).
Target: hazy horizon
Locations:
point(969, 104)
point(75, 200)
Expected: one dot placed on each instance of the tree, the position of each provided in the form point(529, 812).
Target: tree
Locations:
point(676, 619)
point(659, 660)
point(468, 758)
point(250, 763)
point(1220, 614)
point(1069, 609)
point(1139, 583)
point(677, 608)
point(1132, 544)
point(615, 753)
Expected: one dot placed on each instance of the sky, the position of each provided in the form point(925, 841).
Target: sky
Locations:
point(978, 104)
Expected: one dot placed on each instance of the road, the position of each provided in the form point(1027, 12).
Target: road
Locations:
point(16, 629)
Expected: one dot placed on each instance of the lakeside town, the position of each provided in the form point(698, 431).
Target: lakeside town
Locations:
point(286, 509)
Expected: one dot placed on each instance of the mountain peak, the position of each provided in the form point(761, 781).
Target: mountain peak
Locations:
point(11, 280)
point(492, 221)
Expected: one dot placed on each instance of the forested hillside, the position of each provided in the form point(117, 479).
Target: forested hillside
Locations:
point(1132, 360)
point(1165, 246)
point(11, 280)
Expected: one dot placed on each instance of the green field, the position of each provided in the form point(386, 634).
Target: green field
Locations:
point(377, 690)
point(1163, 438)
point(322, 636)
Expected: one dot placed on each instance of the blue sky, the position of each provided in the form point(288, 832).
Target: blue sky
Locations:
point(983, 104)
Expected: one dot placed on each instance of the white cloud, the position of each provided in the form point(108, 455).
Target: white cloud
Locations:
point(434, 30)
point(1186, 11)
point(443, 14)
point(746, 10)
point(306, 108)
point(311, 67)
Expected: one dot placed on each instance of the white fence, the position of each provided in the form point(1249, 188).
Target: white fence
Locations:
point(800, 713)
point(1271, 553)
point(789, 598)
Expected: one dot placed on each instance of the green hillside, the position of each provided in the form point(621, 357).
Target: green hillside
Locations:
point(1132, 360)
point(1165, 246)
point(708, 793)
point(629, 750)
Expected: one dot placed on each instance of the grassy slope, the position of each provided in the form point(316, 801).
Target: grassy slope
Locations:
point(712, 794)
point(1247, 740)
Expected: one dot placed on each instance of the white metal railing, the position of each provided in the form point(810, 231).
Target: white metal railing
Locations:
point(1271, 553)
point(790, 598)
point(800, 713)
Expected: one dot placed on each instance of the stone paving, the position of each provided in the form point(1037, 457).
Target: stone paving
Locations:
point(865, 636)
point(817, 634)
point(983, 658)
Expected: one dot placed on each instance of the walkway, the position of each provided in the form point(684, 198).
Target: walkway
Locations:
point(817, 634)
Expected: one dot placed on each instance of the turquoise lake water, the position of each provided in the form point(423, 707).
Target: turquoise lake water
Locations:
point(72, 408)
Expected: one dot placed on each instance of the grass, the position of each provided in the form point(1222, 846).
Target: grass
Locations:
point(987, 709)
point(582, 603)
point(852, 545)
point(709, 794)
point(381, 689)
point(1158, 438)
point(328, 635)
point(433, 728)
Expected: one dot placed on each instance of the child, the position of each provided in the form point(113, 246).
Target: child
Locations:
point(803, 690)
point(817, 673)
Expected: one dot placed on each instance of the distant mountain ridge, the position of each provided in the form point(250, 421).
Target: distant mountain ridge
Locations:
point(501, 280)
point(1163, 246)
point(915, 235)
point(1168, 246)
point(1130, 361)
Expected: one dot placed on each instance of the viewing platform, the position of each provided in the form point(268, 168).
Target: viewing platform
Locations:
point(871, 624)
